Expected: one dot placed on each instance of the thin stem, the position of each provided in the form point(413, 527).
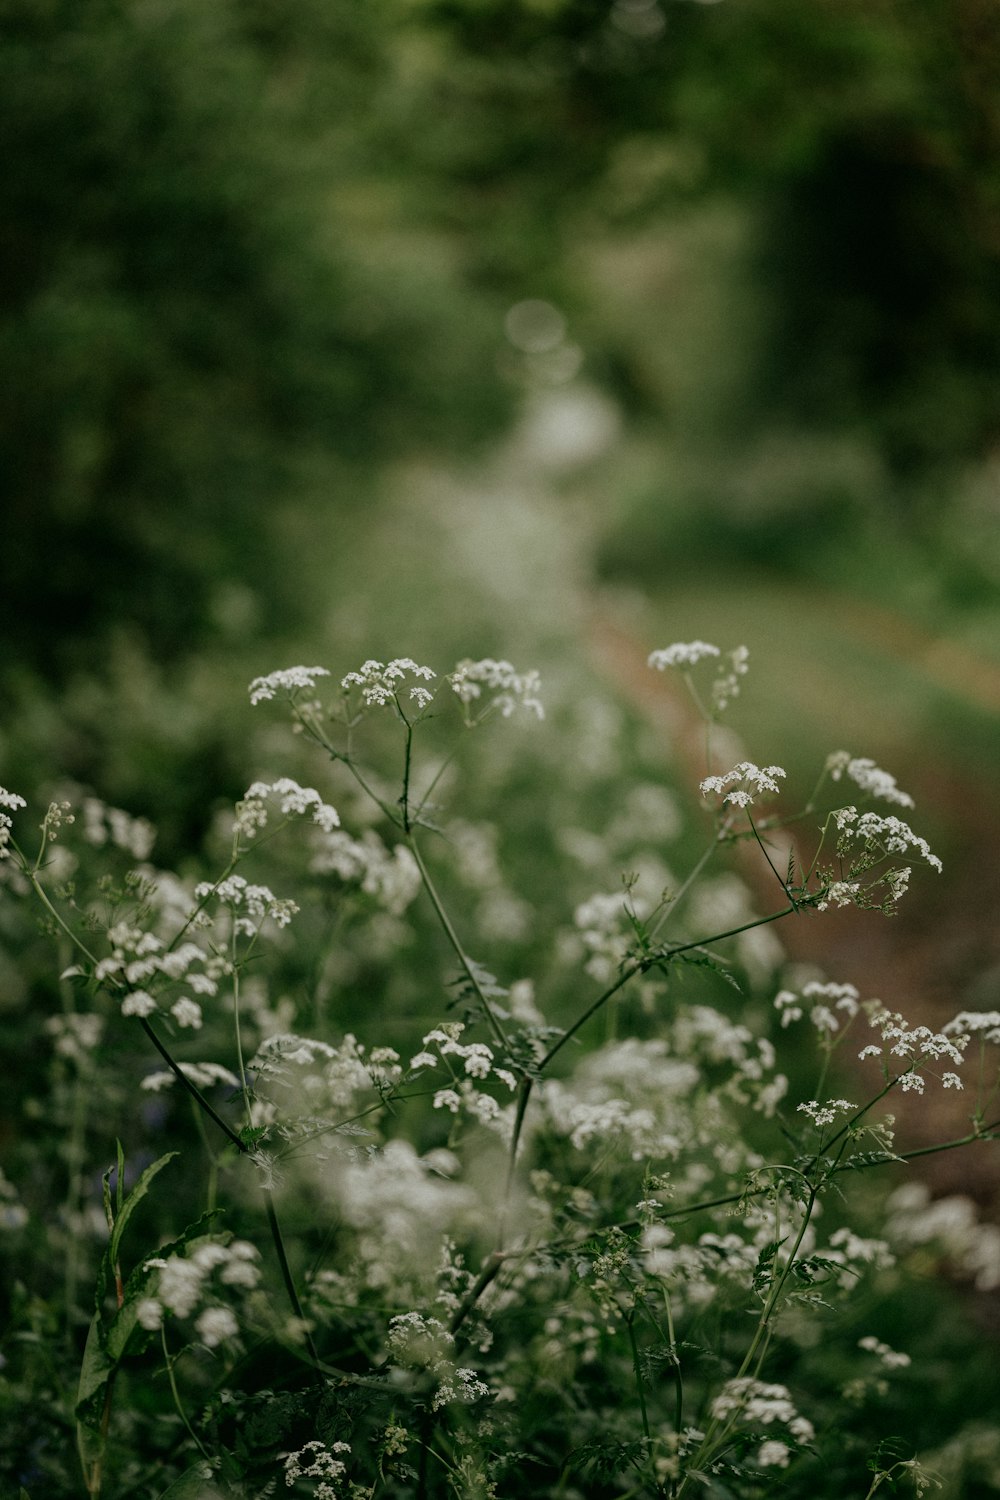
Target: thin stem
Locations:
point(637, 1368)
point(405, 798)
point(286, 1272)
point(168, 1361)
point(669, 910)
point(774, 872)
point(452, 937)
point(652, 960)
point(193, 1089)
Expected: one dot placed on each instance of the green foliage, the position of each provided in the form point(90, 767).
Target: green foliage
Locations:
point(571, 1239)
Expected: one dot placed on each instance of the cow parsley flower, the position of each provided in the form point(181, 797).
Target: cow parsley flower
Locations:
point(507, 688)
point(825, 1114)
point(868, 776)
point(682, 654)
point(215, 1325)
point(293, 800)
point(969, 1023)
point(879, 836)
point(756, 782)
point(138, 1003)
point(290, 680)
point(382, 683)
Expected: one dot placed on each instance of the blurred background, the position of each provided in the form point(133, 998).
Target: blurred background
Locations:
point(552, 329)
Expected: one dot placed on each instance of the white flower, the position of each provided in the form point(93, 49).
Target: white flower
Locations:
point(149, 1313)
point(889, 834)
point(973, 1022)
point(510, 688)
point(215, 1325)
point(381, 684)
point(890, 1358)
point(868, 776)
point(757, 781)
point(773, 1454)
point(187, 1012)
point(138, 1003)
point(11, 800)
point(251, 811)
point(290, 680)
point(682, 654)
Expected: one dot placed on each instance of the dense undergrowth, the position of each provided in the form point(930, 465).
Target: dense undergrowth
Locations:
point(451, 1123)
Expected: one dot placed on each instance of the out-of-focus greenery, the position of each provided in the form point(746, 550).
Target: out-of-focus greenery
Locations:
point(254, 253)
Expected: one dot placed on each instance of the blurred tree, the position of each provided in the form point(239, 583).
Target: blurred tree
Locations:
point(196, 322)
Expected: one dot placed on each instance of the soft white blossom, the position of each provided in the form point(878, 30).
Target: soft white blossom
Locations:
point(756, 781)
point(508, 689)
point(289, 680)
point(382, 683)
point(682, 654)
point(868, 776)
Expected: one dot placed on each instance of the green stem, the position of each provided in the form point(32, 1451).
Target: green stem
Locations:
point(452, 937)
point(630, 1326)
point(652, 960)
point(178, 1404)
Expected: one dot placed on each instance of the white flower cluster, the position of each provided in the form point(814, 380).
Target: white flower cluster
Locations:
point(708, 1038)
point(682, 654)
point(419, 1342)
point(969, 1023)
point(344, 1072)
point(733, 665)
point(381, 683)
point(290, 680)
point(605, 932)
point(727, 683)
point(476, 1057)
point(103, 824)
point(890, 1358)
point(915, 1047)
point(138, 957)
point(76, 1034)
point(824, 1000)
point(251, 811)
point(392, 878)
point(257, 901)
point(632, 1093)
point(880, 835)
point(752, 1403)
point(509, 688)
point(399, 1205)
point(951, 1224)
point(203, 1075)
point(756, 782)
point(825, 1114)
point(13, 801)
point(317, 1461)
point(183, 1282)
point(868, 776)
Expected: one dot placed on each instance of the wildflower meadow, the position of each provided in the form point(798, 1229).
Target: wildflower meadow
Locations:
point(450, 1121)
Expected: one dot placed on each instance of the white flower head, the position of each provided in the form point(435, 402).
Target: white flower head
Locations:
point(290, 681)
point(504, 689)
point(383, 683)
point(756, 781)
point(682, 654)
point(868, 776)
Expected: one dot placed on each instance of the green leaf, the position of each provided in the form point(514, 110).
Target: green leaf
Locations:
point(132, 1202)
point(194, 1484)
point(95, 1372)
